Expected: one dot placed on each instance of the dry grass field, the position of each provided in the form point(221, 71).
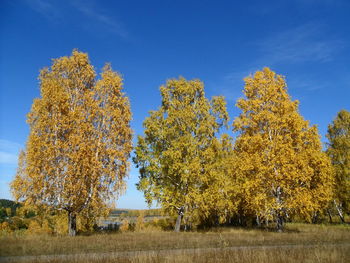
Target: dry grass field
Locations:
point(299, 243)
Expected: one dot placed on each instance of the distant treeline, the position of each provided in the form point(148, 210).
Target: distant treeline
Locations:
point(17, 217)
point(136, 212)
point(7, 208)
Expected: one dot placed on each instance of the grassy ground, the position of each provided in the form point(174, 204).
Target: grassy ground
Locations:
point(322, 244)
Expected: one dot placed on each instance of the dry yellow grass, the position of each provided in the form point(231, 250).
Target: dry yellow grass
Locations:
point(300, 243)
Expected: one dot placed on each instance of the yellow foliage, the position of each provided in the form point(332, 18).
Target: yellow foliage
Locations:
point(60, 224)
point(124, 227)
point(76, 156)
point(5, 227)
point(38, 227)
point(140, 222)
point(339, 152)
point(34, 227)
point(180, 157)
point(279, 162)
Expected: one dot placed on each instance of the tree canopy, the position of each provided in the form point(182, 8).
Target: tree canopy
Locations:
point(339, 151)
point(76, 155)
point(176, 154)
point(280, 158)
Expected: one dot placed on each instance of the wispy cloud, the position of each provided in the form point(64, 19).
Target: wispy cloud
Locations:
point(4, 188)
point(300, 44)
point(89, 9)
point(238, 76)
point(59, 11)
point(8, 158)
point(9, 152)
point(263, 8)
point(304, 83)
point(294, 46)
point(46, 8)
point(232, 84)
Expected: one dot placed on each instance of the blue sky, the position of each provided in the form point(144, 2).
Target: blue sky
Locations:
point(148, 42)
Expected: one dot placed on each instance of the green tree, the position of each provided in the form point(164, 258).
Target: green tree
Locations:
point(281, 163)
point(8, 211)
point(2, 214)
point(339, 151)
point(76, 156)
point(175, 154)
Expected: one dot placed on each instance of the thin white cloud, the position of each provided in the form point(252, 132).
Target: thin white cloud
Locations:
point(238, 76)
point(305, 43)
point(5, 188)
point(232, 84)
point(300, 44)
point(304, 83)
point(46, 8)
point(263, 8)
point(89, 9)
point(9, 145)
point(235, 83)
point(9, 152)
point(57, 11)
point(8, 158)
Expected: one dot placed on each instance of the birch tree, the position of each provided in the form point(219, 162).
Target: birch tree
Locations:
point(173, 153)
point(339, 151)
point(281, 163)
point(76, 155)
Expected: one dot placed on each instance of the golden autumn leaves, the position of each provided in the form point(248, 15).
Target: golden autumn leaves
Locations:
point(275, 168)
point(179, 155)
point(76, 157)
point(339, 152)
point(77, 153)
point(280, 156)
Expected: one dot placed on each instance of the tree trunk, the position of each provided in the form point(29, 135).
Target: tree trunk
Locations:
point(340, 211)
point(315, 218)
point(179, 219)
point(279, 222)
point(329, 215)
point(258, 221)
point(72, 224)
point(279, 216)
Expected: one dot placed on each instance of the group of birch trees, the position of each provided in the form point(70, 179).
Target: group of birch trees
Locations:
point(272, 168)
